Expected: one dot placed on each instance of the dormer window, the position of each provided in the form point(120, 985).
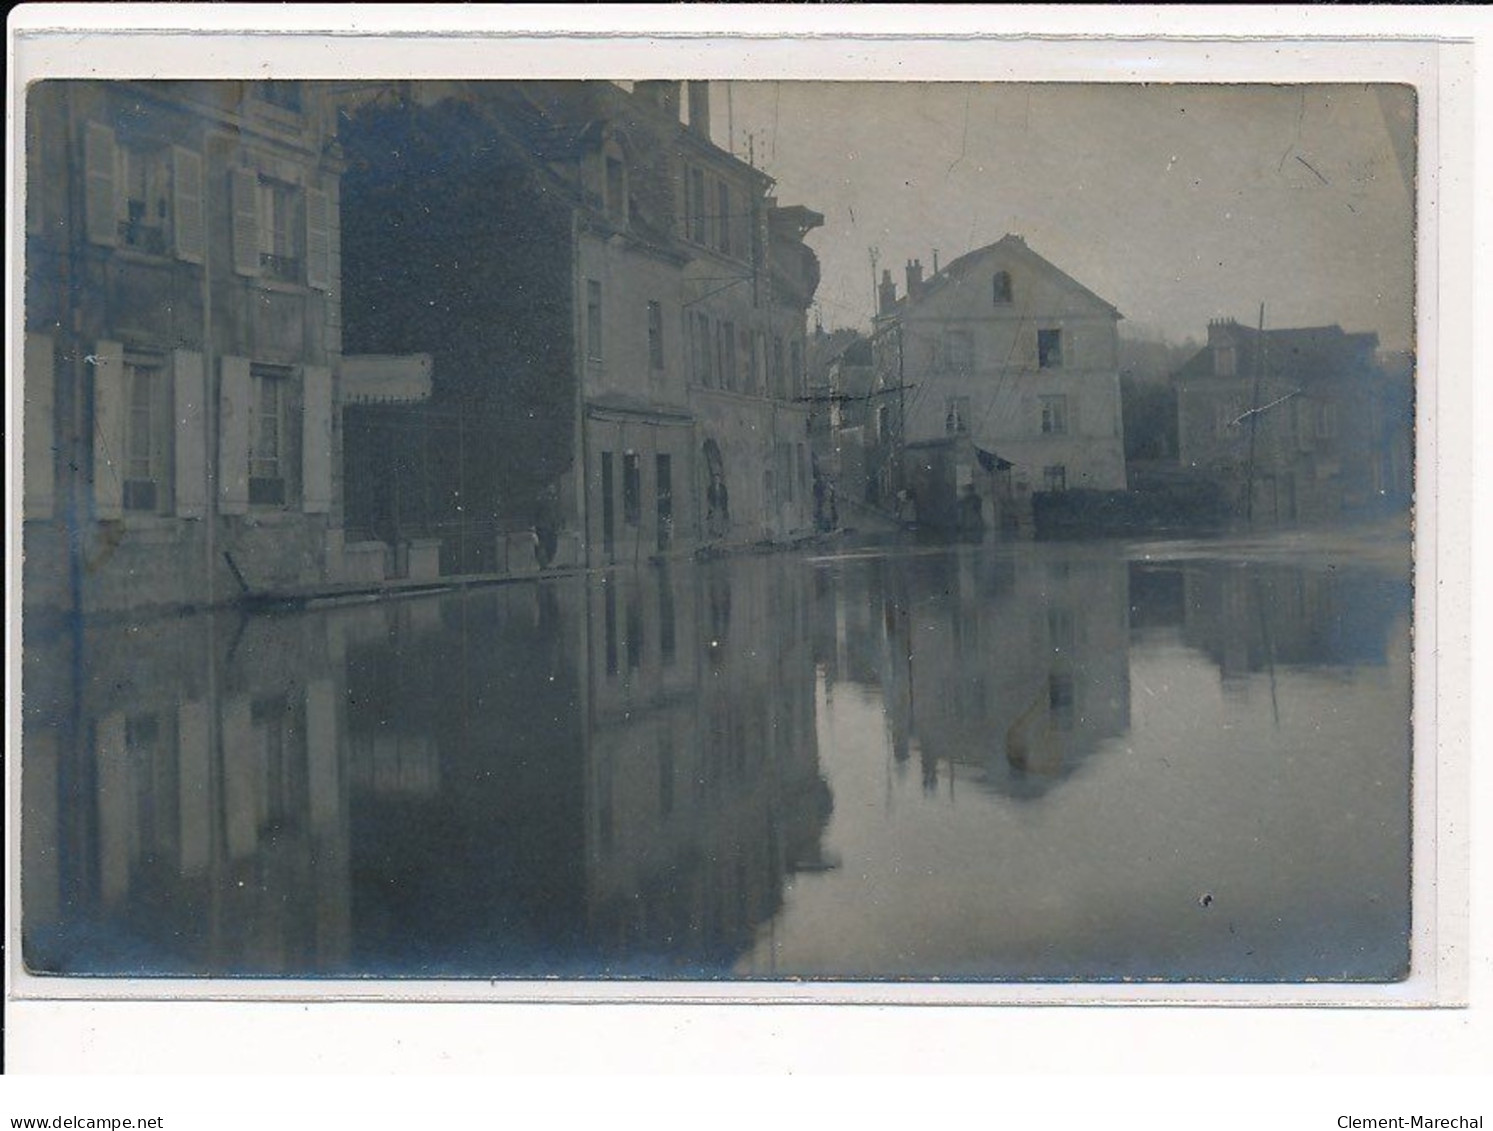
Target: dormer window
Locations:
point(284, 93)
point(1001, 288)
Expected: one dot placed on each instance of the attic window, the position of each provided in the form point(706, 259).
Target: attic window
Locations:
point(1001, 288)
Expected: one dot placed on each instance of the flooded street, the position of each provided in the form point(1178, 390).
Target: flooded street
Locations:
point(1016, 761)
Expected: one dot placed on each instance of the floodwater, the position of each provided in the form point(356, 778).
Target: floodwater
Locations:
point(1030, 761)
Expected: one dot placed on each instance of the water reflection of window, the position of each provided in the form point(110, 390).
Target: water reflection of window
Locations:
point(634, 633)
point(609, 617)
point(1060, 700)
point(632, 489)
point(272, 722)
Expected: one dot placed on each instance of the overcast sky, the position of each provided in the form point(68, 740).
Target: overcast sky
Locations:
point(1176, 203)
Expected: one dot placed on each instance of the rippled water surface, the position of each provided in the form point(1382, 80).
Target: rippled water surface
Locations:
point(1004, 762)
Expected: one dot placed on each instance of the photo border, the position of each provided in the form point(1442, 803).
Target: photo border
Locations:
point(105, 42)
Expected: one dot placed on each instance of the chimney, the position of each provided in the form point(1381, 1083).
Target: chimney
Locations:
point(914, 278)
point(699, 107)
point(935, 261)
point(888, 292)
point(661, 94)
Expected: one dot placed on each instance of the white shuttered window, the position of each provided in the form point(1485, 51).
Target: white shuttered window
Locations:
point(99, 160)
point(318, 240)
point(244, 189)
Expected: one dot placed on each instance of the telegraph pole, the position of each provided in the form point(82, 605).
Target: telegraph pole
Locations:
point(1254, 421)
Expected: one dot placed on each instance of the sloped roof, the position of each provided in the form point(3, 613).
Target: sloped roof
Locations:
point(958, 269)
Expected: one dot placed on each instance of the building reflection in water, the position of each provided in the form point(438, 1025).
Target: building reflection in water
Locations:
point(582, 777)
point(1009, 668)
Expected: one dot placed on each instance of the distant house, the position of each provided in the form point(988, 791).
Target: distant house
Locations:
point(1007, 349)
point(614, 306)
point(1294, 424)
point(182, 342)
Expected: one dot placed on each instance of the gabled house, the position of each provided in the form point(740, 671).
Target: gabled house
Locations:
point(1007, 349)
point(1294, 424)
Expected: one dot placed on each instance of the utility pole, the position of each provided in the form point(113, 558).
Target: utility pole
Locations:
point(1254, 422)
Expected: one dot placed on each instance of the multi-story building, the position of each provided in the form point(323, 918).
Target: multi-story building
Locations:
point(1003, 347)
point(182, 338)
point(1294, 424)
point(615, 311)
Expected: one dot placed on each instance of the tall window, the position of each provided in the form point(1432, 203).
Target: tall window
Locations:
point(656, 335)
point(777, 368)
point(632, 489)
point(663, 484)
point(608, 537)
point(956, 418)
point(147, 453)
point(1001, 288)
point(1049, 349)
point(593, 320)
point(1055, 478)
point(280, 225)
point(268, 435)
point(1054, 416)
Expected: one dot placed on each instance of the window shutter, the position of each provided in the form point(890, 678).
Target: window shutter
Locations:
point(244, 188)
point(38, 380)
point(234, 409)
point(186, 203)
point(99, 156)
point(316, 439)
point(190, 392)
point(318, 240)
point(116, 824)
point(194, 788)
point(108, 430)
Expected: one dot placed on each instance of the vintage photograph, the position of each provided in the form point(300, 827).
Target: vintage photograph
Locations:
point(683, 530)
